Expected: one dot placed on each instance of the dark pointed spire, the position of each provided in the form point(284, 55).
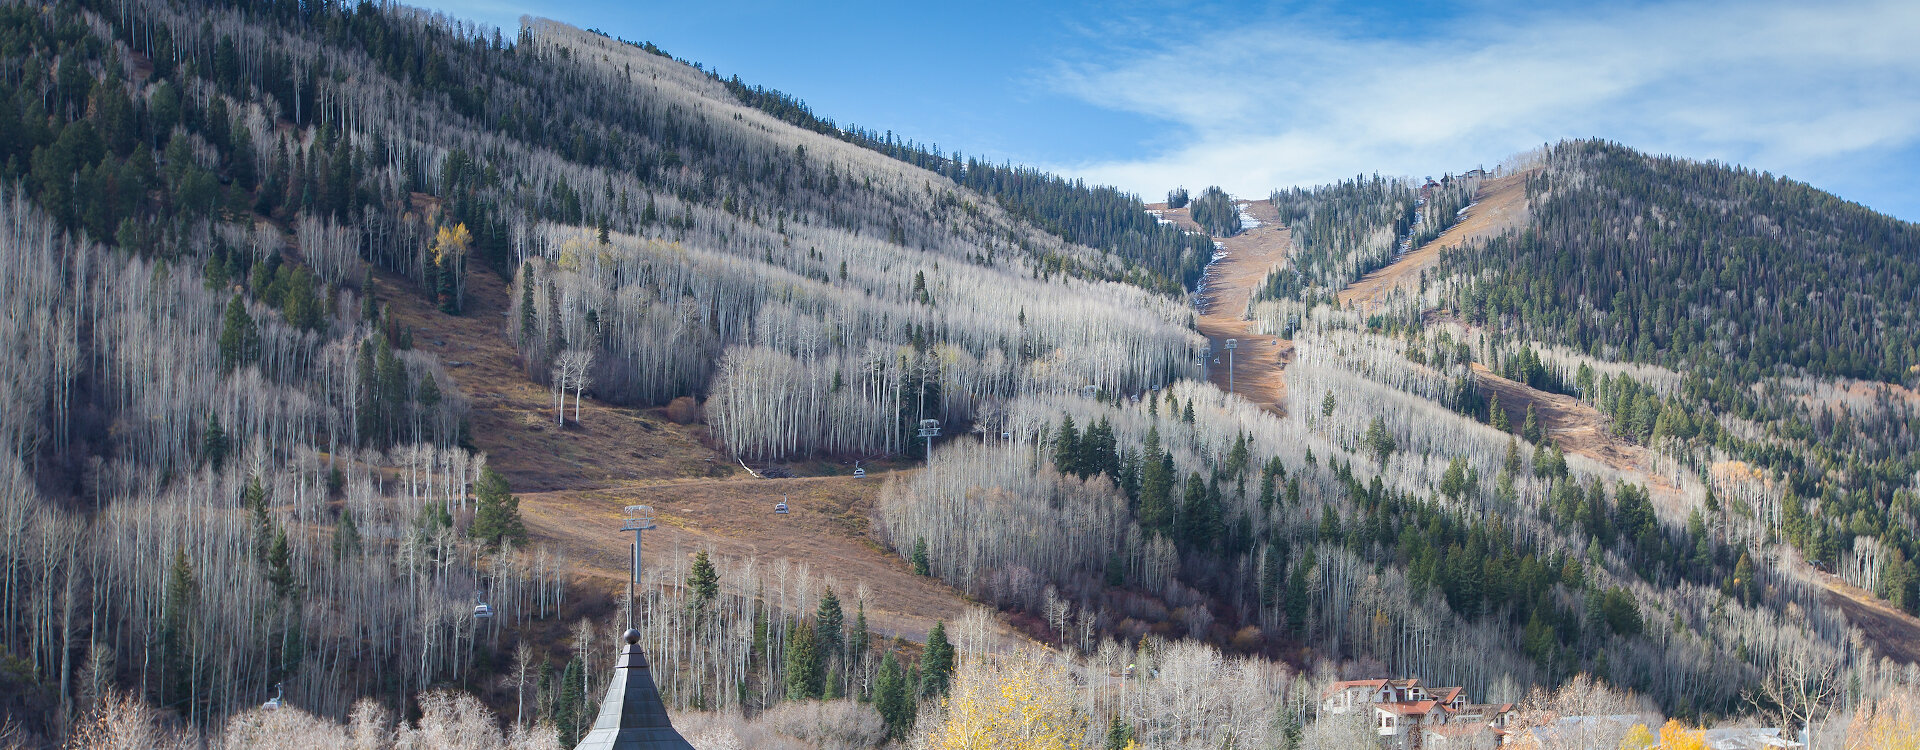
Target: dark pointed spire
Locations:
point(632, 717)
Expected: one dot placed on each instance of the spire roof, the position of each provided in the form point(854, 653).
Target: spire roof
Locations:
point(632, 717)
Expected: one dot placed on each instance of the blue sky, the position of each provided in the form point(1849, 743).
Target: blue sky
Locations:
point(1251, 96)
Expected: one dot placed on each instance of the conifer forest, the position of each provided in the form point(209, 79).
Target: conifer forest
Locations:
point(344, 333)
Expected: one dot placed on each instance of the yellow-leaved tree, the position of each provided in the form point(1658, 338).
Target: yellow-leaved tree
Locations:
point(1021, 702)
point(1892, 723)
point(448, 273)
point(1674, 735)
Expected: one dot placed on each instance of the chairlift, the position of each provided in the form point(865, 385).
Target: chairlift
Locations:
point(1008, 436)
point(857, 471)
point(482, 611)
point(780, 508)
point(274, 703)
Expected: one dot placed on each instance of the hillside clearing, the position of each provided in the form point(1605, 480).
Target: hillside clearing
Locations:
point(1257, 371)
point(1500, 206)
point(573, 482)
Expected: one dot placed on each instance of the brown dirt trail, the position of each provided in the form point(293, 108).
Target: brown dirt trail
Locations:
point(573, 482)
point(1501, 205)
point(1257, 366)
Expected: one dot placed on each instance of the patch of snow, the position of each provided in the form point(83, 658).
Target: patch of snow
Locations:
point(1246, 221)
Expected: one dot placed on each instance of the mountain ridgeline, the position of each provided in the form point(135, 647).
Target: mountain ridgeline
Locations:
point(1703, 267)
point(201, 204)
point(1155, 256)
point(239, 237)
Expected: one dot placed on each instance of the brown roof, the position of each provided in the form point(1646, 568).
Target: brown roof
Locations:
point(1408, 708)
point(1445, 694)
point(1346, 684)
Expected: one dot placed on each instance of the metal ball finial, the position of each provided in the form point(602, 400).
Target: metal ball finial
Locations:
point(632, 636)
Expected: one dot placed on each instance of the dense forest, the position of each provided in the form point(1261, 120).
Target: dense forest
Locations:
point(1780, 319)
point(1156, 256)
point(233, 471)
point(228, 466)
point(1683, 263)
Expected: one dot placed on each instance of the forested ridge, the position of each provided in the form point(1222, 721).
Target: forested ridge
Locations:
point(233, 471)
point(230, 469)
point(1704, 267)
point(1099, 216)
point(1780, 305)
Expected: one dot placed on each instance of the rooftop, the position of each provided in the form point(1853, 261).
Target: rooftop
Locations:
point(632, 717)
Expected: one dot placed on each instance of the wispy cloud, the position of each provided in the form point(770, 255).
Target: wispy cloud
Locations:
point(1792, 87)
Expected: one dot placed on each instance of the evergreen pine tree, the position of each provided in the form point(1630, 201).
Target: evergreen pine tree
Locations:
point(1272, 580)
point(1742, 584)
point(1292, 729)
point(857, 641)
point(1119, 734)
point(280, 566)
point(1066, 447)
point(893, 698)
point(1380, 441)
point(569, 705)
point(1156, 494)
point(1530, 429)
point(213, 443)
point(1296, 603)
point(1497, 416)
point(496, 517)
point(239, 338)
point(803, 663)
point(1238, 456)
point(346, 537)
point(1454, 482)
point(703, 581)
point(527, 318)
point(428, 395)
point(369, 307)
point(1200, 515)
point(921, 566)
point(936, 662)
point(176, 633)
point(254, 497)
point(829, 628)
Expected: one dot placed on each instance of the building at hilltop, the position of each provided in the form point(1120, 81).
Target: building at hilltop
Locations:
point(632, 717)
point(1411, 715)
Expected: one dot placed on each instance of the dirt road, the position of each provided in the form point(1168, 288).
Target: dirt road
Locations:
point(826, 530)
point(573, 482)
point(1257, 364)
point(1500, 206)
point(1895, 634)
point(1570, 423)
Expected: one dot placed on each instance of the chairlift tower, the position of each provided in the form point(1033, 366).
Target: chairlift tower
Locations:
point(638, 518)
point(929, 429)
point(1232, 344)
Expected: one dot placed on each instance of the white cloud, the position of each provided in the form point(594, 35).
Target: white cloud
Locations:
point(1781, 86)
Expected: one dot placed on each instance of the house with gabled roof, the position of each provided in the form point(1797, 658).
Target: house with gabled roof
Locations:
point(1407, 717)
point(1410, 714)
